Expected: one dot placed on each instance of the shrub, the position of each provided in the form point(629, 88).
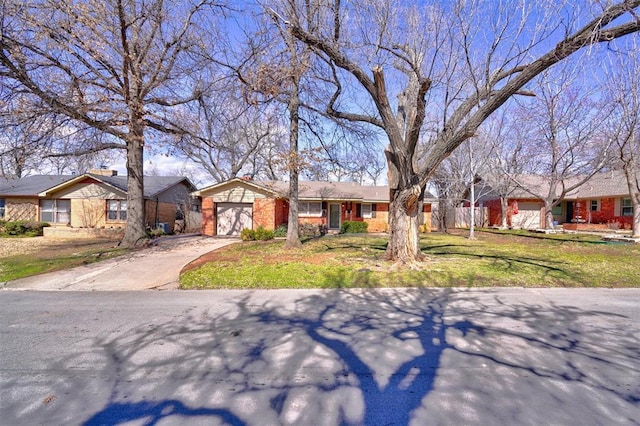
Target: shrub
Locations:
point(259, 234)
point(23, 228)
point(353, 227)
point(311, 230)
point(247, 234)
point(281, 231)
point(264, 234)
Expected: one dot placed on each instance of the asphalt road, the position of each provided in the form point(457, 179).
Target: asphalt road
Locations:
point(373, 357)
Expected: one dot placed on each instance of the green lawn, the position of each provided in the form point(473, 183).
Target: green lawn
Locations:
point(493, 259)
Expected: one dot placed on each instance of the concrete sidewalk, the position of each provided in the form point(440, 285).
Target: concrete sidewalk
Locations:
point(156, 267)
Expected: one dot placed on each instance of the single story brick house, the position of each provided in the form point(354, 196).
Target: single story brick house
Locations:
point(601, 203)
point(228, 207)
point(95, 200)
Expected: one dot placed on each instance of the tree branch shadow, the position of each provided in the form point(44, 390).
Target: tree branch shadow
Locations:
point(373, 356)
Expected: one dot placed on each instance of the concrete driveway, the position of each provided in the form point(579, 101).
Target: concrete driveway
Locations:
point(155, 267)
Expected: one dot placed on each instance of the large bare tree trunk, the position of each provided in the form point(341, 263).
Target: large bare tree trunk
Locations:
point(631, 173)
point(293, 235)
point(504, 206)
point(135, 232)
point(404, 225)
point(548, 215)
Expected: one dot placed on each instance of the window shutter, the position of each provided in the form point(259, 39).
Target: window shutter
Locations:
point(373, 210)
point(358, 210)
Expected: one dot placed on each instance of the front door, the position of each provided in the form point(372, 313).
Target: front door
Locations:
point(334, 216)
point(569, 216)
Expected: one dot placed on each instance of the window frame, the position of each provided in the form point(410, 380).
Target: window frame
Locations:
point(120, 212)
point(57, 210)
point(304, 209)
point(367, 215)
point(596, 204)
point(3, 207)
point(628, 207)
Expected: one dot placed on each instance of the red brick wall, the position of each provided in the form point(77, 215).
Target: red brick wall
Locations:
point(312, 220)
point(495, 210)
point(208, 217)
point(606, 212)
point(264, 213)
point(282, 212)
point(163, 212)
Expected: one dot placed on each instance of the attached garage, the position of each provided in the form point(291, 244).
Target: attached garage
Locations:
point(232, 218)
point(529, 215)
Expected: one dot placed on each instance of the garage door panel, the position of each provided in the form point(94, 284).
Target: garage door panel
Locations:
point(528, 216)
point(232, 218)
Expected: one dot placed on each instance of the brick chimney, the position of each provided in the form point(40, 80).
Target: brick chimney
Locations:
point(103, 172)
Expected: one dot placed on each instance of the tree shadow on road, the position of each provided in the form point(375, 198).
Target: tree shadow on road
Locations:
point(375, 356)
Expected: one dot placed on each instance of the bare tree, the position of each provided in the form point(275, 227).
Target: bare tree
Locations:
point(115, 66)
point(559, 128)
point(230, 137)
point(623, 91)
point(450, 69)
point(506, 160)
point(26, 132)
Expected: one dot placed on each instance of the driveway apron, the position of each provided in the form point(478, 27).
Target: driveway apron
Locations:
point(155, 267)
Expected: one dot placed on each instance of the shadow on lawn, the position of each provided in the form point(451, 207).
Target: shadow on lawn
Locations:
point(375, 357)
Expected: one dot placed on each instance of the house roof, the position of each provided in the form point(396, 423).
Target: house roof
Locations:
point(314, 190)
point(605, 184)
point(31, 186)
point(44, 185)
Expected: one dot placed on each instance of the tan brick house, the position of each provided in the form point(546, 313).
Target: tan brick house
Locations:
point(94, 200)
point(228, 207)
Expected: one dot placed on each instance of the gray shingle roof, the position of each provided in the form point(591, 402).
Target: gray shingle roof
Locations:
point(314, 190)
point(607, 184)
point(31, 186)
point(153, 185)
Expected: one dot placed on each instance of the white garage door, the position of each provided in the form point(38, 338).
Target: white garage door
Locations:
point(232, 218)
point(528, 216)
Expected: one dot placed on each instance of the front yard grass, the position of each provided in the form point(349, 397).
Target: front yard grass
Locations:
point(493, 259)
point(54, 257)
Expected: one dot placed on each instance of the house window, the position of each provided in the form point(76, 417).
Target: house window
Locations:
point(366, 211)
point(594, 205)
point(1, 208)
point(557, 210)
point(310, 208)
point(627, 207)
point(117, 210)
point(55, 211)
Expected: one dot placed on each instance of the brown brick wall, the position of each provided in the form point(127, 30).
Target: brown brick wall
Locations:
point(282, 212)
point(208, 217)
point(264, 213)
point(160, 212)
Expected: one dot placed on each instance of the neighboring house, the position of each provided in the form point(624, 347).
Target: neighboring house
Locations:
point(96, 200)
point(228, 207)
point(601, 203)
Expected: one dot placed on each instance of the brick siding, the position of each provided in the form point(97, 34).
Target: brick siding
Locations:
point(208, 217)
